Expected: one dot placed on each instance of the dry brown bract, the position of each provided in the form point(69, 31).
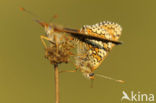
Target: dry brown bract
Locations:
point(60, 53)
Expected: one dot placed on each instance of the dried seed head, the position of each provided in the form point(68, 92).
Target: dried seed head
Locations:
point(60, 53)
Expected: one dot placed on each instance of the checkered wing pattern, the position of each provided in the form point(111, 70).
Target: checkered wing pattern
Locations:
point(93, 55)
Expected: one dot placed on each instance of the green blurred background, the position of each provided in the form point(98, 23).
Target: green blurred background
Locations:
point(27, 77)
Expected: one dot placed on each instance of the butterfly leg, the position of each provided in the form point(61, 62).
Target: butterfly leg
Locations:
point(56, 43)
point(42, 37)
point(70, 70)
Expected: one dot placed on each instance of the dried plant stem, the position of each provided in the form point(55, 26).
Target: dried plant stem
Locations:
point(56, 73)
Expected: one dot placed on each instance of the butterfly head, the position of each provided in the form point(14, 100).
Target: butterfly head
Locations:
point(48, 28)
point(43, 24)
point(91, 76)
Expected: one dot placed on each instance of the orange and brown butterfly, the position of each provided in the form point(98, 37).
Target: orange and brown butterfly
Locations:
point(97, 52)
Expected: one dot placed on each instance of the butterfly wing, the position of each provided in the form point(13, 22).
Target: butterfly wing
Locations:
point(94, 56)
point(83, 36)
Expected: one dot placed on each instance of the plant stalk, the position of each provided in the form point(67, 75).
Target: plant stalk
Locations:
point(56, 74)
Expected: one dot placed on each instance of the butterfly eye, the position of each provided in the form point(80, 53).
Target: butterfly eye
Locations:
point(91, 74)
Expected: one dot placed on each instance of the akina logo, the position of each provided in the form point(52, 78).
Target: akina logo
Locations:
point(137, 96)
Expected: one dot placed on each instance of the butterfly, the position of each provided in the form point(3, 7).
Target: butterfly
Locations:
point(94, 44)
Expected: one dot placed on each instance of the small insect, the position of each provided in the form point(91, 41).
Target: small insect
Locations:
point(94, 43)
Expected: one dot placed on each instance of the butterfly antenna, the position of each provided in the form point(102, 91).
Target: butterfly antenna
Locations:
point(106, 77)
point(31, 13)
